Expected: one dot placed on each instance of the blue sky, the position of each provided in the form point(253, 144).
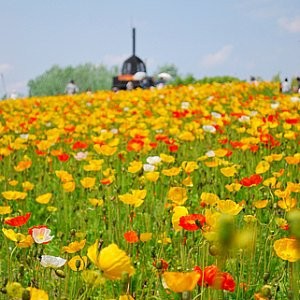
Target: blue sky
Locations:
point(204, 38)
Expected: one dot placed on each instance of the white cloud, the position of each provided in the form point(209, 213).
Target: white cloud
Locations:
point(291, 25)
point(217, 58)
point(5, 67)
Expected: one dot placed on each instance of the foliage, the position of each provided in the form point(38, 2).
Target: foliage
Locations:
point(87, 76)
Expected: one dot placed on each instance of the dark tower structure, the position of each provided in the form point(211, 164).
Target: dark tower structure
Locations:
point(131, 65)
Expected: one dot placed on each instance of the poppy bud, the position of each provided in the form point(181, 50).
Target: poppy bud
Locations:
point(266, 276)
point(214, 250)
point(60, 273)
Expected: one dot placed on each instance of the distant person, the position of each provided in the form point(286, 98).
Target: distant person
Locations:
point(285, 86)
point(253, 80)
point(129, 86)
point(71, 88)
point(298, 84)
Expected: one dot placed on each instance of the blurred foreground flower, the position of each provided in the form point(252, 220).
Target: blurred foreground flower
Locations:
point(287, 249)
point(111, 260)
point(180, 282)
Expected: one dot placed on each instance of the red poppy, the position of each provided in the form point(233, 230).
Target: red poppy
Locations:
point(269, 140)
point(135, 144)
point(106, 181)
point(192, 222)
point(63, 157)
point(36, 227)
point(253, 180)
point(292, 121)
point(131, 237)
point(79, 145)
point(219, 280)
point(18, 221)
point(254, 148)
point(173, 148)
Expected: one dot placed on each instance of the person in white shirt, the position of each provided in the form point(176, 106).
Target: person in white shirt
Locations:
point(285, 86)
point(71, 88)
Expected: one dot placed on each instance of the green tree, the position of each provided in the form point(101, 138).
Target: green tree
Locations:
point(167, 68)
point(86, 76)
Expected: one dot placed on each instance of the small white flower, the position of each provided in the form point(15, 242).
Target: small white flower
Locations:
point(209, 128)
point(52, 261)
point(210, 98)
point(103, 131)
point(148, 168)
point(185, 105)
point(244, 119)
point(126, 108)
point(216, 115)
point(253, 113)
point(275, 105)
point(114, 130)
point(48, 124)
point(153, 160)
point(295, 99)
point(24, 136)
point(81, 155)
point(210, 153)
point(88, 104)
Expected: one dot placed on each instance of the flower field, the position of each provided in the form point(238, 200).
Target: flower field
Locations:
point(187, 192)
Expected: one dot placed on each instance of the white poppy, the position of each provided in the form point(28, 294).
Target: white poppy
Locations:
point(153, 160)
point(148, 168)
point(209, 128)
point(49, 261)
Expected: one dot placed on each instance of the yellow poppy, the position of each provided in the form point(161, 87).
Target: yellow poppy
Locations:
point(136, 198)
point(229, 207)
point(96, 202)
point(37, 294)
point(74, 246)
point(23, 165)
point(152, 176)
point(69, 186)
point(260, 203)
point(180, 282)
point(105, 150)
point(287, 203)
point(135, 166)
point(88, 182)
point(27, 186)
point(111, 260)
point(188, 181)
point(287, 249)
point(4, 210)
point(44, 199)
point(292, 160)
point(64, 176)
point(178, 212)
point(146, 236)
point(14, 195)
point(167, 158)
point(229, 171)
point(77, 263)
point(177, 195)
point(262, 167)
point(209, 198)
point(126, 297)
point(233, 187)
point(189, 166)
point(171, 172)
